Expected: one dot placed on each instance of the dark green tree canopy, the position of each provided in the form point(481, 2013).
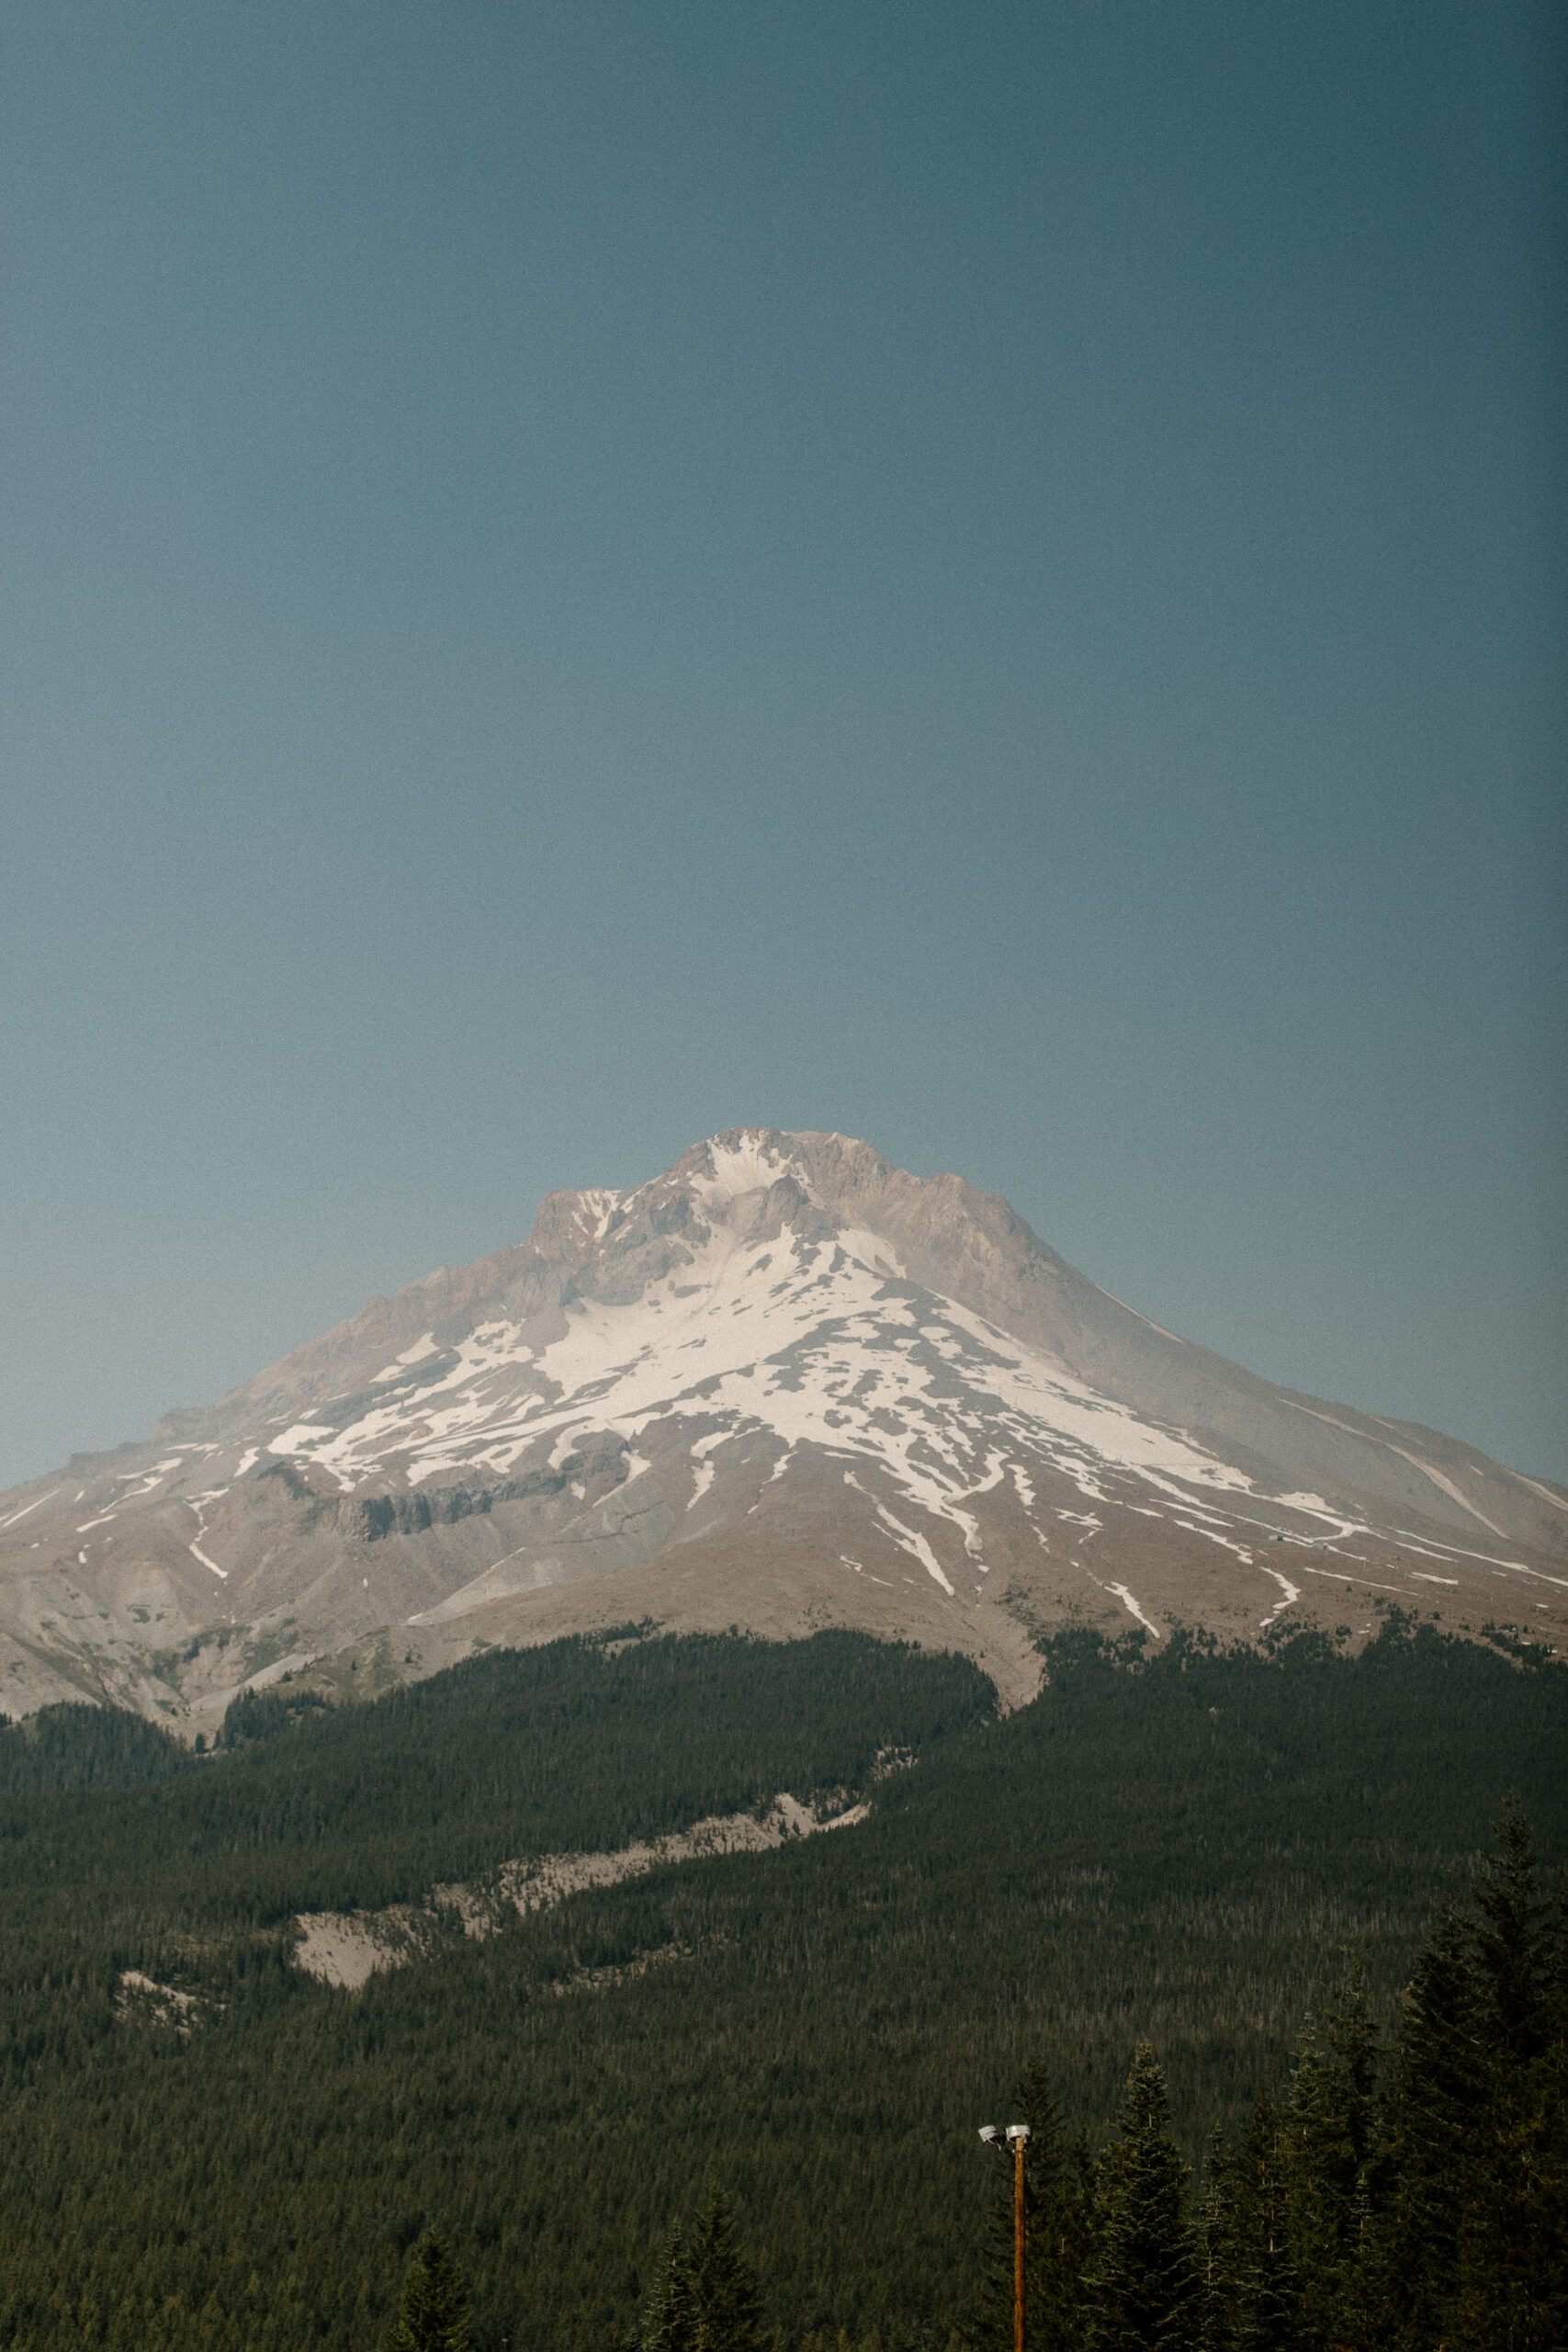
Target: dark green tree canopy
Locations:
point(206, 2151)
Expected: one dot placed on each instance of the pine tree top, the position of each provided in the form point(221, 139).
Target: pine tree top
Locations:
point(434, 2316)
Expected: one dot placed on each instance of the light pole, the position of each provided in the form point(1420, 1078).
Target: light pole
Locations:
point(1016, 2137)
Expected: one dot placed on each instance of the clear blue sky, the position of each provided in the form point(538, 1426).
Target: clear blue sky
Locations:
point(989, 577)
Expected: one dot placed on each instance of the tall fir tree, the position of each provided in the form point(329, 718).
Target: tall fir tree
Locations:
point(1510, 2279)
point(1217, 2247)
point(1327, 2136)
point(706, 2298)
point(1143, 2290)
point(671, 2322)
point(1436, 2089)
point(726, 2305)
point(1513, 1947)
point(1265, 2281)
point(1469, 2238)
point(434, 2314)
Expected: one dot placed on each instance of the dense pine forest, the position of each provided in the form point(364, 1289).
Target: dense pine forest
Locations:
point(1196, 1910)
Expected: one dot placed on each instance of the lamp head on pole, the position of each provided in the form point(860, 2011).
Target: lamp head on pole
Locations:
point(989, 2133)
point(1018, 2130)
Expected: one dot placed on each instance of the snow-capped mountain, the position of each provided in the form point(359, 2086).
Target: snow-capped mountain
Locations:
point(781, 1385)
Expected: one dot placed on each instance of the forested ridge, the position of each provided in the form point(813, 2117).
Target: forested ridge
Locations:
point(1173, 1851)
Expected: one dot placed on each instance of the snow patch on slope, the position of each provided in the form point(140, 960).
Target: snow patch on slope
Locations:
point(821, 1343)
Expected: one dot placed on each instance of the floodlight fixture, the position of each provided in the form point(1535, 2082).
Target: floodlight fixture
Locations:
point(1016, 2143)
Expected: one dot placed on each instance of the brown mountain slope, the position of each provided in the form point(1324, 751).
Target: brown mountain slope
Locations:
point(783, 1385)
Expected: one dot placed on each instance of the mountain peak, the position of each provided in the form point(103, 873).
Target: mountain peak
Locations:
point(784, 1383)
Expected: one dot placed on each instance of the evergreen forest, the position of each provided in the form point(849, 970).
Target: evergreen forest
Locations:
point(1258, 1943)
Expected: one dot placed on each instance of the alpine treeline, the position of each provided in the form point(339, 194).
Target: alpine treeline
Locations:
point(204, 2150)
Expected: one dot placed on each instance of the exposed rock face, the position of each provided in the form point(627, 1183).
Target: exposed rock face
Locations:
point(781, 1385)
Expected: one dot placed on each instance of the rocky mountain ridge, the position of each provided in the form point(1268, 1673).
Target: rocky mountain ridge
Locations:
point(783, 1385)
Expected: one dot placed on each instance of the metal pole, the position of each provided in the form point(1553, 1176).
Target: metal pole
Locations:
point(1019, 2146)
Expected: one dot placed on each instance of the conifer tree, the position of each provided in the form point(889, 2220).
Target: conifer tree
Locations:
point(671, 2324)
point(1419, 2183)
point(1327, 2136)
point(726, 2306)
point(1266, 2289)
point(432, 2318)
point(706, 2298)
point(1510, 2275)
point(1143, 2289)
point(1513, 1947)
point(1471, 2182)
point(1216, 2234)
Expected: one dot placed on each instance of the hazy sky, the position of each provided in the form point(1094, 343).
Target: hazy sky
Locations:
point(988, 577)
